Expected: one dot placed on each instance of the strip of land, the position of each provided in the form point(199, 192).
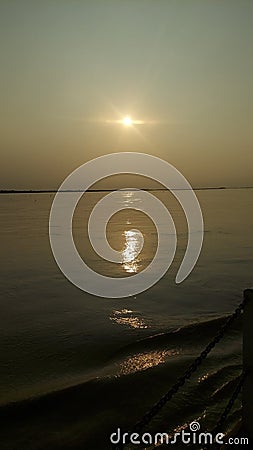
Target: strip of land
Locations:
point(53, 191)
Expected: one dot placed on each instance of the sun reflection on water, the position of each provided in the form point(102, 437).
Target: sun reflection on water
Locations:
point(144, 361)
point(126, 317)
point(133, 246)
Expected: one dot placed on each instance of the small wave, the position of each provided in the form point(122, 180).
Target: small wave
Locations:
point(195, 334)
point(84, 415)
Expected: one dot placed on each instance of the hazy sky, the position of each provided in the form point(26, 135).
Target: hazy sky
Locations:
point(70, 68)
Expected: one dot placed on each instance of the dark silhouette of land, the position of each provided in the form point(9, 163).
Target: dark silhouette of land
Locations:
point(53, 191)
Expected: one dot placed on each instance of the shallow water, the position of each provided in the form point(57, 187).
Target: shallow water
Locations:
point(117, 355)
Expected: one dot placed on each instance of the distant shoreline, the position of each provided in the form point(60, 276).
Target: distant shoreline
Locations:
point(54, 191)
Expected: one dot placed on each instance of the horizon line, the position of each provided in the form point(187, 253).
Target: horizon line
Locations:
point(52, 191)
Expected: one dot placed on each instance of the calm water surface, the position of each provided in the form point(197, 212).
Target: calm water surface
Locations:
point(119, 355)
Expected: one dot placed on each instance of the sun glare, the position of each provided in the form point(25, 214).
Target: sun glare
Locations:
point(127, 121)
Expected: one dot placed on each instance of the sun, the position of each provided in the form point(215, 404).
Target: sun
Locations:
point(127, 121)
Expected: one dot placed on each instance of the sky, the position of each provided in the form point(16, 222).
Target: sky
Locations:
point(71, 70)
